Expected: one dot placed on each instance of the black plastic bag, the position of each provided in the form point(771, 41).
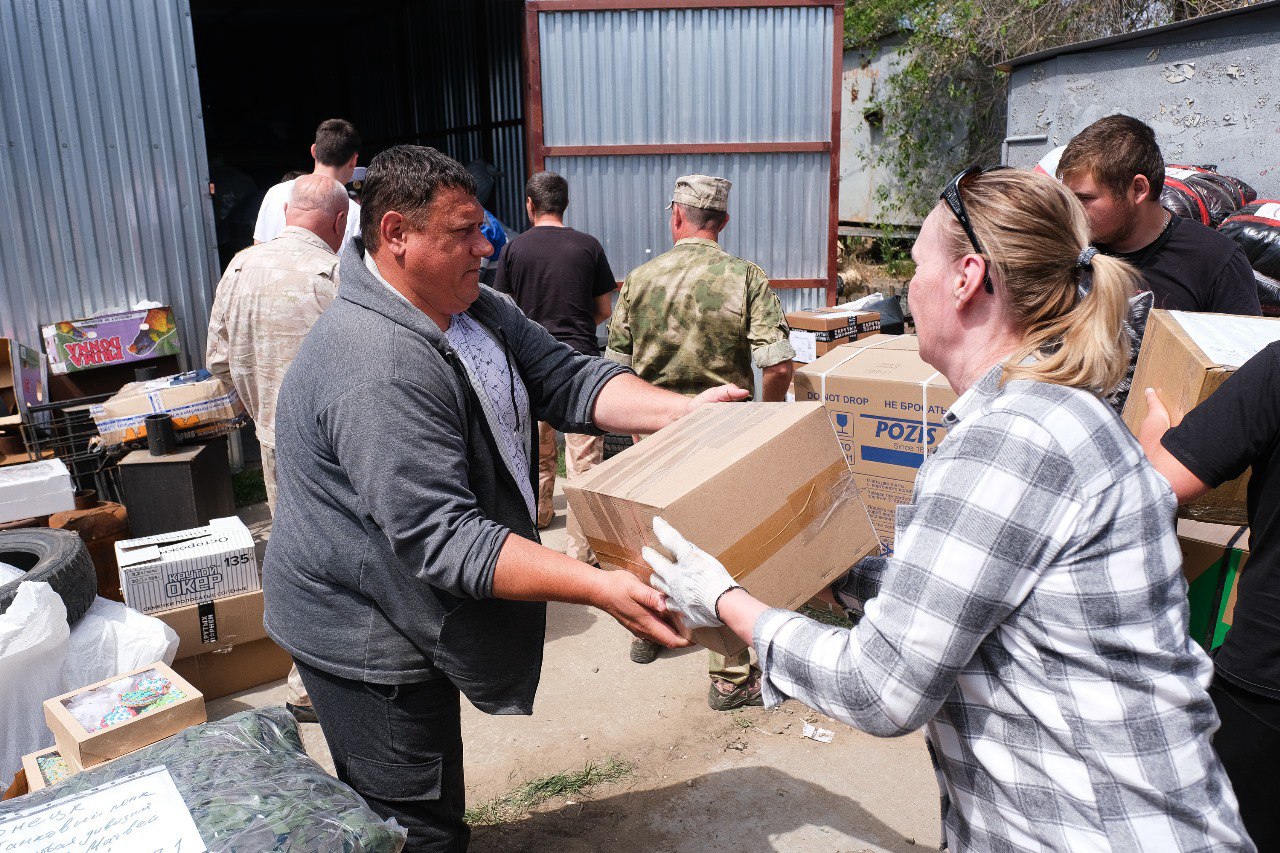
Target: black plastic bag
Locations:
point(1256, 227)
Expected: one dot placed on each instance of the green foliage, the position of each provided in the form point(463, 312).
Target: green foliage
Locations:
point(942, 106)
point(248, 488)
point(531, 794)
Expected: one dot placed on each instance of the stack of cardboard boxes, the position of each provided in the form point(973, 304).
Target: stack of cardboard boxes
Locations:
point(205, 584)
point(886, 407)
point(817, 331)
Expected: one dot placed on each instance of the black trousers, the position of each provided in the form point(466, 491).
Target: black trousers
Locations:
point(1249, 745)
point(400, 747)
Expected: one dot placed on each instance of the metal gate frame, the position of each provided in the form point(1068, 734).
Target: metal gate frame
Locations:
point(538, 152)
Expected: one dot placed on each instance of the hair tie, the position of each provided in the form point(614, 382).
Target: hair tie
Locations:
point(1084, 263)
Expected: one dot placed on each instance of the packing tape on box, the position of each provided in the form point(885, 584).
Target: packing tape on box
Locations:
point(815, 501)
point(822, 377)
point(924, 415)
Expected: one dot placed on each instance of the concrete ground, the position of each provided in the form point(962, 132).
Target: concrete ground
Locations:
point(700, 780)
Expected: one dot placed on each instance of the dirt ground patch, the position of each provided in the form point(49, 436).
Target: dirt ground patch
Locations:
point(701, 780)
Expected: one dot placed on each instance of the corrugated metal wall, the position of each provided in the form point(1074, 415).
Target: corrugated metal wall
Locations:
point(465, 93)
point(777, 208)
point(663, 76)
point(687, 75)
point(103, 172)
point(1206, 88)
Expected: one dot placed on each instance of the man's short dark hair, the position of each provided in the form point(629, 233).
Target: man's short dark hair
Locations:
point(336, 142)
point(549, 193)
point(405, 179)
point(703, 219)
point(1113, 150)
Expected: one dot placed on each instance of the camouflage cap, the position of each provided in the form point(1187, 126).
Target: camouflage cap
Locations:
point(702, 191)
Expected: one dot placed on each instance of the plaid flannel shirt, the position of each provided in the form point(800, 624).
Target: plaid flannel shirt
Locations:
point(1034, 619)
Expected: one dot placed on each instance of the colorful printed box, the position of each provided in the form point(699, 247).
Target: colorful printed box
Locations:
point(110, 339)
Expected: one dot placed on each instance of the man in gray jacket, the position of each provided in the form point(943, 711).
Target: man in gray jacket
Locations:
point(405, 460)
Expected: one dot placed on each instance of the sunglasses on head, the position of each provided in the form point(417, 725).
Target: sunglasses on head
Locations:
point(951, 195)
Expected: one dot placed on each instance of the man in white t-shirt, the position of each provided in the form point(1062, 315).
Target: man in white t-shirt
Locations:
point(335, 151)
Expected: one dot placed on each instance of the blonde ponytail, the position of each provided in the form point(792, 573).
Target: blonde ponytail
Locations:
point(1071, 315)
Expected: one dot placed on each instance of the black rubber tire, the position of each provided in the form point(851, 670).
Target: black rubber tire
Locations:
point(615, 444)
point(56, 557)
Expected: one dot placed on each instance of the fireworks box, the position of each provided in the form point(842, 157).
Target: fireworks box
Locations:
point(1186, 357)
point(761, 486)
point(86, 735)
point(199, 403)
point(110, 339)
point(169, 570)
point(817, 331)
point(886, 407)
point(1213, 555)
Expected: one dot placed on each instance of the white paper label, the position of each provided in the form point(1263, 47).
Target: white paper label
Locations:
point(805, 344)
point(142, 812)
point(1228, 340)
point(1270, 210)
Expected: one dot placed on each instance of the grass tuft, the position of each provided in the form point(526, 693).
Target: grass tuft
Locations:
point(531, 794)
point(826, 617)
point(248, 487)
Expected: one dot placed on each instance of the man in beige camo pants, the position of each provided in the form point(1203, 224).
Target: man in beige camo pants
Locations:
point(693, 318)
point(268, 299)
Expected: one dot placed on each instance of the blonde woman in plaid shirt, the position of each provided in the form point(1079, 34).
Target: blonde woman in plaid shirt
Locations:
point(1033, 618)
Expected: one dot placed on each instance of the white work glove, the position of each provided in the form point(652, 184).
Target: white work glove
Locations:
point(692, 584)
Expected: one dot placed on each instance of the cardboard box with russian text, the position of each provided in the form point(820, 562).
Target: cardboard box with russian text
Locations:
point(216, 625)
point(169, 570)
point(886, 407)
point(1187, 356)
point(120, 714)
point(1213, 555)
point(117, 338)
point(199, 403)
point(761, 486)
point(817, 331)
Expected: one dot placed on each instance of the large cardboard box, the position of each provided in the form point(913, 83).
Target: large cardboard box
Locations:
point(169, 570)
point(35, 488)
point(83, 748)
point(1213, 555)
point(118, 338)
point(200, 405)
point(1187, 356)
point(886, 407)
point(817, 331)
point(217, 625)
point(761, 486)
point(222, 673)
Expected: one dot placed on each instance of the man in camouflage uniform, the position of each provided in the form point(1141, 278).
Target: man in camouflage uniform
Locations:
point(267, 301)
point(693, 318)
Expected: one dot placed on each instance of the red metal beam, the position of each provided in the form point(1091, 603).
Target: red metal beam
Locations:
point(533, 90)
point(837, 80)
point(686, 148)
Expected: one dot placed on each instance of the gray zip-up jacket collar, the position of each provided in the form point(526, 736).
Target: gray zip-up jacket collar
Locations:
point(393, 502)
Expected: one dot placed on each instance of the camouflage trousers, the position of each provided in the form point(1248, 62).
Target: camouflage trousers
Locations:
point(581, 454)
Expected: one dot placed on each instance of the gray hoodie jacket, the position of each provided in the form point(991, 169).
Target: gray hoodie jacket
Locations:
point(393, 501)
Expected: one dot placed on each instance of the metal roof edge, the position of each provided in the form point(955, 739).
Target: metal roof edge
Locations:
point(1079, 47)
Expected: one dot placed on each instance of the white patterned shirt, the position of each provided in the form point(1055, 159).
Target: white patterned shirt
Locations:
point(1033, 618)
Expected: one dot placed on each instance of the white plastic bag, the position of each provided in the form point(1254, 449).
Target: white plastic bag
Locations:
point(33, 648)
point(112, 638)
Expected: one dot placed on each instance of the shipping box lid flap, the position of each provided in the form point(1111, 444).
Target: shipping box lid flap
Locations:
point(126, 556)
point(876, 364)
point(701, 444)
point(1226, 340)
point(1220, 535)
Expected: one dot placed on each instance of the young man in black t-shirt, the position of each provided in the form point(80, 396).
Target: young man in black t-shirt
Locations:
point(1115, 168)
point(561, 279)
point(1238, 428)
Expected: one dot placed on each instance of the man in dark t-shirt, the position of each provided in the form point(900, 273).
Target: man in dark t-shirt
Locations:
point(561, 279)
point(1115, 168)
point(1238, 428)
